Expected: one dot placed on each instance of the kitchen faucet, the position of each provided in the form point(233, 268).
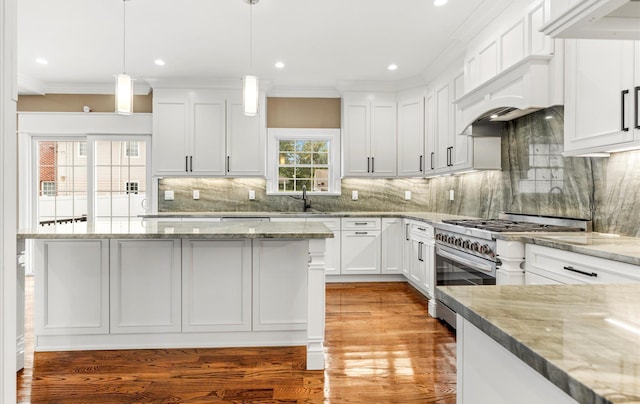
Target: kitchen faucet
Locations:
point(305, 203)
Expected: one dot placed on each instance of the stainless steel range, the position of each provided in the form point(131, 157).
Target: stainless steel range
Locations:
point(468, 253)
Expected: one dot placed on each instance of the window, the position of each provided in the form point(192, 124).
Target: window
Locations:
point(131, 149)
point(48, 188)
point(304, 157)
point(131, 187)
point(82, 149)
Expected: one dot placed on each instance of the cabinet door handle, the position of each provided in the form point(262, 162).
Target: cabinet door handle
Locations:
point(373, 164)
point(450, 156)
point(421, 163)
point(636, 90)
point(572, 269)
point(368, 164)
point(228, 164)
point(362, 232)
point(360, 223)
point(420, 251)
point(191, 163)
point(186, 163)
point(623, 93)
point(406, 231)
point(432, 155)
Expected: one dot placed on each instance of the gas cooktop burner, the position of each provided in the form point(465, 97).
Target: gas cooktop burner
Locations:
point(505, 225)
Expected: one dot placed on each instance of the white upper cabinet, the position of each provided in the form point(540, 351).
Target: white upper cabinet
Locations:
point(596, 19)
point(369, 140)
point(601, 96)
point(205, 133)
point(411, 158)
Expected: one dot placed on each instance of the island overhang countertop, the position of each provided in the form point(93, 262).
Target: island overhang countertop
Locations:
point(137, 229)
point(585, 339)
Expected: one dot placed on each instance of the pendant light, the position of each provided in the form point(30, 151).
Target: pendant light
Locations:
point(250, 81)
point(124, 82)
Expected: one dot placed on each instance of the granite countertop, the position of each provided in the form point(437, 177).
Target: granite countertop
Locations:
point(583, 338)
point(139, 229)
point(604, 245)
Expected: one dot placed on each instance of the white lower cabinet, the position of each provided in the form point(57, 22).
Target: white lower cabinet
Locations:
point(72, 286)
point(145, 286)
point(333, 247)
point(391, 244)
point(280, 284)
point(406, 249)
point(216, 280)
point(420, 271)
point(550, 265)
point(361, 246)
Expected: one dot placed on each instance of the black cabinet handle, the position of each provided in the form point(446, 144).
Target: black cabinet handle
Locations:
point(622, 96)
point(421, 163)
point(362, 232)
point(191, 163)
point(572, 269)
point(186, 163)
point(373, 164)
point(368, 164)
point(360, 223)
point(406, 231)
point(636, 107)
point(420, 251)
point(432, 155)
point(228, 164)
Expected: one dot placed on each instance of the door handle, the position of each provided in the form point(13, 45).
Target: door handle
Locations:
point(421, 163)
point(406, 231)
point(636, 90)
point(373, 164)
point(420, 251)
point(623, 93)
point(191, 163)
point(228, 164)
point(186, 163)
point(368, 164)
point(432, 154)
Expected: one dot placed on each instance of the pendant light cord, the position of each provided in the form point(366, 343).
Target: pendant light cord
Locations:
point(124, 35)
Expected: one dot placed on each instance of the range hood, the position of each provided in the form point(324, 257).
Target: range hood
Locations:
point(517, 91)
point(596, 19)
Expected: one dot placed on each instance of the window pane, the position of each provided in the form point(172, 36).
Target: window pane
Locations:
point(303, 173)
point(286, 172)
point(287, 145)
point(300, 183)
point(305, 158)
point(287, 158)
point(321, 158)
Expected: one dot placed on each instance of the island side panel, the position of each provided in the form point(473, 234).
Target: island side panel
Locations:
point(316, 304)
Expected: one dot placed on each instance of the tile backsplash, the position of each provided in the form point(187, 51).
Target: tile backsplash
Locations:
point(535, 179)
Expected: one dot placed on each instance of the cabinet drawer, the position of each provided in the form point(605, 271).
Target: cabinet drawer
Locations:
point(332, 223)
point(367, 223)
point(421, 230)
point(571, 268)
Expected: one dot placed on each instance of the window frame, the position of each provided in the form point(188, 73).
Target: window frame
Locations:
point(275, 135)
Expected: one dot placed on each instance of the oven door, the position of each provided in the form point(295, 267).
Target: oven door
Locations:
point(454, 267)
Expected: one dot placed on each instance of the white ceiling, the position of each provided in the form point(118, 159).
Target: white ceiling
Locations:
point(322, 42)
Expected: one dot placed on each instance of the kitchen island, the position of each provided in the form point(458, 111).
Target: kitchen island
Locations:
point(131, 284)
point(547, 344)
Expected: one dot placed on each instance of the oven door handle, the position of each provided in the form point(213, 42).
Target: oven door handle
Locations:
point(475, 265)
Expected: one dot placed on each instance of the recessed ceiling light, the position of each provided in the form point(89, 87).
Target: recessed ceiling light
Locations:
point(42, 61)
point(494, 116)
point(392, 66)
point(548, 117)
point(439, 2)
point(159, 62)
point(279, 65)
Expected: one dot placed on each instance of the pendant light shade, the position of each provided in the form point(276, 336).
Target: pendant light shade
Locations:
point(124, 94)
point(124, 82)
point(250, 95)
point(250, 82)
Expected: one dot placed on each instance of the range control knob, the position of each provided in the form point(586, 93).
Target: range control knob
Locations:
point(475, 247)
point(458, 242)
point(486, 250)
point(465, 244)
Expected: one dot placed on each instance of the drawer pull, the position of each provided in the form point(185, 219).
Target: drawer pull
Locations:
point(360, 223)
point(422, 228)
point(362, 232)
point(572, 269)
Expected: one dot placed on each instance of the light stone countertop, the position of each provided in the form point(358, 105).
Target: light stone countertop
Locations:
point(139, 229)
point(430, 217)
point(585, 339)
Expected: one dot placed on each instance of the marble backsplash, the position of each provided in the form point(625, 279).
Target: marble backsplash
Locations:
point(535, 179)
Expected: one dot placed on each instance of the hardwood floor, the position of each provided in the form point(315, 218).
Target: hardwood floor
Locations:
point(381, 347)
